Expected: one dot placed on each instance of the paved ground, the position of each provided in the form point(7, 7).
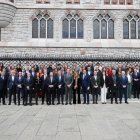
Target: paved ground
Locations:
point(71, 122)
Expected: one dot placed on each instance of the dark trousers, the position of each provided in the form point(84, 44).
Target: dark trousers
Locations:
point(19, 94)
point(69, 95)
point(123, 92)
point(12, 91)
point(136, 90)
point(60, 95)
point(28, 93)
point(114, 94)
point(79, 92)
point(74, 95)
point(85, 95)
point(2, 96)
point(95, 93)
point(43, 95)
point(51, 95)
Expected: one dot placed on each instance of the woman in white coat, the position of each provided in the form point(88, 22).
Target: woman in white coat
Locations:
point(104, 87)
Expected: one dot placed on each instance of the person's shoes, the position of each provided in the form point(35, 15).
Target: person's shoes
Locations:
point(66, 103)
point(53, 104)
point(42, 103)
point(4, 104)
point(120, 102)
point(111, 102)
point(84, 103)
point(116, 102)
point(126, 102)
point(58, 103)
point(96, 102)
point(36, 103)
point(18, 104)
point(9, 104)
point(70, 103)
point(62, 103)
point(87, 103)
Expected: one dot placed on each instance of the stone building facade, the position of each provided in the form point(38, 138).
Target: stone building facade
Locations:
point(16, 21)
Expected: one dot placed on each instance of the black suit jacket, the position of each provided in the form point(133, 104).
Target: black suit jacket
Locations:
point(62, 83)
point(44, 82)
point(48, 81)
point(2, 83)
point(28, 83)
point(106, 81)
point(20, 82)
point(11, 84)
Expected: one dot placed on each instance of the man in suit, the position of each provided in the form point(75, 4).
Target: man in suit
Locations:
point(113, 84)
point(85, 82)
point(51, 83)
point(28, 82)
point(136, 82)
point(68, 80)
point(2, 87)
point(33, 75)
point(60, 87)
point(11, 86)
point(123, 83)
point(44, 87)
point(95, 86)
point(20, 86)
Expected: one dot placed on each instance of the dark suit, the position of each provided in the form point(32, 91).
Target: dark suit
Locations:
point(95, 90)
point(2, 89)
point(60, 91)
point(114, 85)
point(19, 82)
point(51, 90)
point(136, 84)
point(11, 85)
point(33, 75)
point(38, 88)
point(68, 79)
point(44, 89)
point(123, 82)
point(28, 90)
point(85, 83)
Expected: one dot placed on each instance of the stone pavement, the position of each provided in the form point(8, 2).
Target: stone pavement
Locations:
point(71, 122)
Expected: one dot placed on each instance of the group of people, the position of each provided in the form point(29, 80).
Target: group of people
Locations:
point(68, 85)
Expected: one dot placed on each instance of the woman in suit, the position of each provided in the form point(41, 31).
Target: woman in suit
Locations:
point(38, 87)
point(104, 87)
point(76, 88)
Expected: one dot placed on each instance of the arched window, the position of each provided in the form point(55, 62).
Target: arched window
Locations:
point(103, 27)
point(42, 26)
point(72, 26)
point(131, 27)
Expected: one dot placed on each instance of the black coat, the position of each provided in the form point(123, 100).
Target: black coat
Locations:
point(106, 81)
point(38, 83)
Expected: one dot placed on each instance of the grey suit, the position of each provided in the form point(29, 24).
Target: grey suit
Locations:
point(68, 79)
